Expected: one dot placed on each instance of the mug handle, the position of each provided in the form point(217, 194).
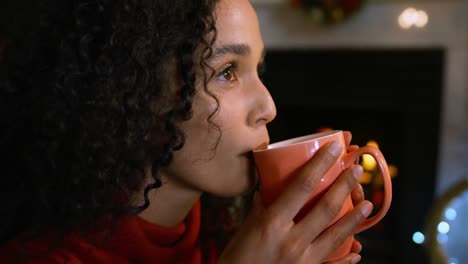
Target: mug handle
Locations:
point(349, 159)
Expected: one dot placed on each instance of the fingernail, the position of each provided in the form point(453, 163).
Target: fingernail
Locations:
point(334, 148)
point(357, 172)
point(356, 259)
point(366, 208)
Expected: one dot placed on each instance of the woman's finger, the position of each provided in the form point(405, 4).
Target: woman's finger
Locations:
point(357, 195)
point(356, 247)
point(336, 234)
point(298, 192)
point(329, 206)
point(351, 258)
point(347, 137)
point(352, 148)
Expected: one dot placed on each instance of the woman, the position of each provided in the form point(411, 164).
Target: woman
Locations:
point(121, 114)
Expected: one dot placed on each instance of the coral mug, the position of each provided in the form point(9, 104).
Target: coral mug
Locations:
point(279, 162)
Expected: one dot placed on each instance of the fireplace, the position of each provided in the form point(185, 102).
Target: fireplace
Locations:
point(391, 96)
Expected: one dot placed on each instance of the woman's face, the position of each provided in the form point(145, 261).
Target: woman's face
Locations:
point(225, 167)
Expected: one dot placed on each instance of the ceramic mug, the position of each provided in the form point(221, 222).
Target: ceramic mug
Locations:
point(279, 162)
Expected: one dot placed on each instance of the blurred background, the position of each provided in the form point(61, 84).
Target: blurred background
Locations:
point(394, 73)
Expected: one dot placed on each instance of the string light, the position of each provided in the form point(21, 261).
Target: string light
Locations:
point(443, 227)
point(418, 237)
point(450, 214)
point(412, 17)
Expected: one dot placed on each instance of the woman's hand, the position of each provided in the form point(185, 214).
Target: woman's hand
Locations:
point(269, 235)
point(357, 196)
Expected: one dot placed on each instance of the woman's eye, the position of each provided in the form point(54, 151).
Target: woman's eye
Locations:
point(229, 74)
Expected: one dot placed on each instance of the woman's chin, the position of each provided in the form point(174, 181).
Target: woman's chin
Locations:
point(239, 188)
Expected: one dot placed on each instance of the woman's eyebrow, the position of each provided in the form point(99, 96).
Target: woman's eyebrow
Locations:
point(240, 49)
point(236, 49)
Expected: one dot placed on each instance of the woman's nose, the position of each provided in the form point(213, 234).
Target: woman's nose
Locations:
point(263, 108)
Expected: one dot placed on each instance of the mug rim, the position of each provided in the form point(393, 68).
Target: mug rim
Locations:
point(298, 140)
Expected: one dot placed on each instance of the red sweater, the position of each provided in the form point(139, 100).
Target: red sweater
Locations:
point(134, 241)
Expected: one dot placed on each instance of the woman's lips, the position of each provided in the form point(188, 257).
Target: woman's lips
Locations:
point(262, 146)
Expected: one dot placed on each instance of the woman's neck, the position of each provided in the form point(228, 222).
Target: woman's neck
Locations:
point(170, 203)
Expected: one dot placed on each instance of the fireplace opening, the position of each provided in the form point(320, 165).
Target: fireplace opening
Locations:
point(388, 96)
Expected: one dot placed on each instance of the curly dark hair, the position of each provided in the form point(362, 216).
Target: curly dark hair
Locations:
point(91, 92)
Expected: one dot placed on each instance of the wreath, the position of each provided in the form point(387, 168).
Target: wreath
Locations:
point(328, 11)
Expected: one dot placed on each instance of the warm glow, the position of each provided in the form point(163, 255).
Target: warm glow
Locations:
point(408, 18)
point(366, 178)
point(324, 129)
point(393, 170)
point(422, 19)
point(372, 143)
point(411, 17)
point(368, 162)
